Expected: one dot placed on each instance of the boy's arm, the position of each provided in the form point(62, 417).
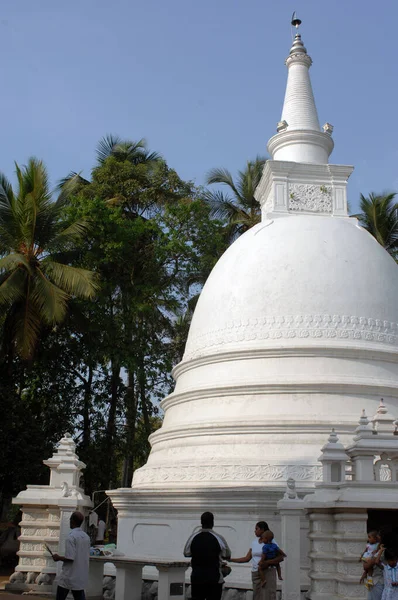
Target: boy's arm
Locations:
point(376, 560)
point(281, 552)
point(262, 560)
point(275, 561)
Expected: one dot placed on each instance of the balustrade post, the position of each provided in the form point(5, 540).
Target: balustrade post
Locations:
point(171, 584)
point(128, 581)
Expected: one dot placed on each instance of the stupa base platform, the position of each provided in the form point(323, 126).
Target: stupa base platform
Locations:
point(158, 522)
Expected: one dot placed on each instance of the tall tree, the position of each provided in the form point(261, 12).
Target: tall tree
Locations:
point(37, 278)
point(149, 240)
point(240, 211)
point(379, 215)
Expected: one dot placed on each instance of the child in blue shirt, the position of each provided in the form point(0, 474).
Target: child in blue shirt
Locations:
point(269, 551)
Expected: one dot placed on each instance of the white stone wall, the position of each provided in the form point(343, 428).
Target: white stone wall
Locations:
point(337, 541)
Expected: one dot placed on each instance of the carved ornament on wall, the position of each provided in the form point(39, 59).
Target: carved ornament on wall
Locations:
point(333, 327)
point(310, 198)
point(228, 473)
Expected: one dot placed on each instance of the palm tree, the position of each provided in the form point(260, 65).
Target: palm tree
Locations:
point(37, 279)
point(241, 211)
point(134, 152)
point(122, 150)
point(379, 216)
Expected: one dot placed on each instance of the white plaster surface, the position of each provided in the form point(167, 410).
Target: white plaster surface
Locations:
point(295, 332)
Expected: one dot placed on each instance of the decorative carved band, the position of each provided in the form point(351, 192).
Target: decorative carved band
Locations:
point(300, 326)
point(310, 198)
point(227, 473)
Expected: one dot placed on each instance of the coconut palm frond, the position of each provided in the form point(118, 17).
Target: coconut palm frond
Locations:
point(75, 232)
point(242, 211)
point(73, 280)
point(222, 176)
point(26, 324)
point(49, 299)
point(10, 232)
point(34, 287)
point(36, 183)
point(12, 261)
point(106, 146)
point(221, 206)
point(69, 186)
point(6, 192)
point(12, 286)
point(379, 215)
point(135, 152)
point(249, 179)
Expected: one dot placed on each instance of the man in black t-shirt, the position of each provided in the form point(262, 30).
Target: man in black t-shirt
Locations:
point(207, 549)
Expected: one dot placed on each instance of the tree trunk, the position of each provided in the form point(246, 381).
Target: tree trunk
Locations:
point(143, 399)
point(110, 435)
point(87, 383)
point(131, 418)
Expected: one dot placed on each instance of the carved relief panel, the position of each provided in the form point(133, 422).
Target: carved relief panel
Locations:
point(310, 198)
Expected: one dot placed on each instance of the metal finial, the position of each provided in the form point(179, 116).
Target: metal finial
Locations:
point(295, 21)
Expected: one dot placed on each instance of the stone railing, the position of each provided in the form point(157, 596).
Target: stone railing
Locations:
point(171, 581)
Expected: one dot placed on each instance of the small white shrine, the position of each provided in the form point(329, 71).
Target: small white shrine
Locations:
point(356, 479)
point(46, 510)
point(294, 333)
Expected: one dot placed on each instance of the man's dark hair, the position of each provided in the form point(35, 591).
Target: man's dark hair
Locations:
point(77, 518)
point(389, 538)
point(390, 554)
point(207, 520)
point(262, 525)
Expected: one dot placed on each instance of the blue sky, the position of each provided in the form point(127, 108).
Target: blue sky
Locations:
point(203, 82)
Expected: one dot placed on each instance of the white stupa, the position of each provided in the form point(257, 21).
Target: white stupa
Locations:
point(295, 332)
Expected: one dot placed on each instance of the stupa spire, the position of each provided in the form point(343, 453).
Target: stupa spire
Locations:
point(299, 179)
point(300, 137)
point(299, 110)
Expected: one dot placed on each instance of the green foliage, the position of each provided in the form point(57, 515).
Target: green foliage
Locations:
point(144, 241)
point(241, 211)
point(379, 215)
point(36, 281)
point(152, 243)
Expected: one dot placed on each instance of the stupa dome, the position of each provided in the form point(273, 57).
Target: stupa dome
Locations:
point(295, 332)
point(303, 280)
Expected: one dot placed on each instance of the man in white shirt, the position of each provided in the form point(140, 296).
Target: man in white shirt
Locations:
point(74, 574)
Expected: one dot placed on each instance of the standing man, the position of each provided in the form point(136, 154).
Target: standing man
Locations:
point(267, 591)
point(74, 574)
point(207, 549)
point(100, 539)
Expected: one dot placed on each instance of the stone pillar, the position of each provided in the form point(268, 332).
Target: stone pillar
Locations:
point(291, 511)
point(290, 519)
point(46, 510)
point(94, 589)
point(39, 526)
point(128, 582)
point(337, 540)
point(322, 555)
point(350, 535)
